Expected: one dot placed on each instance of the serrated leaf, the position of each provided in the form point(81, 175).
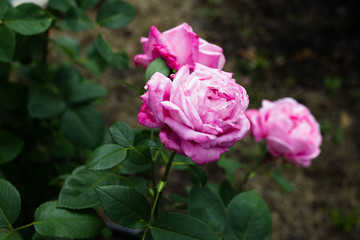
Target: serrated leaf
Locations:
point(10, 147)
point(28, 19)
point(44, 103)
point(118, 60)
point(7, 44)
point(115, 14)
point(122, 134)
point(158, 65)
point(138, 183)
point(124, 205)
point(178, 226)
point(248, 218)
point(127, 167)
point(9, 204)
point(83, 125)
point(207, 206)
point(78, 191)
point(140, 154)
point(51, 221)
point(106, 156)
point(77, 20)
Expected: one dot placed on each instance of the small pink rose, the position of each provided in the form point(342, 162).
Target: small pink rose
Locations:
point(201, 114)
point(179, 46)
point(289, 129)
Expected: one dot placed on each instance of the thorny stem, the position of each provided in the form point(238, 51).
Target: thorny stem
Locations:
point(160, 187)
point(247, 176)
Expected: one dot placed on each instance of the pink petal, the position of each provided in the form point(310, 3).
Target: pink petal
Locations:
point(202, 155)
point(184, 42)
point(146, 118)
point(187, 133)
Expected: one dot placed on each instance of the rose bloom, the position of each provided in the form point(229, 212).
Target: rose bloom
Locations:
point(201, 114)
point(179, 46)
point(289, 129)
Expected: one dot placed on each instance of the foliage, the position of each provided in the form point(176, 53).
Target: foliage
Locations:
point(61, 167)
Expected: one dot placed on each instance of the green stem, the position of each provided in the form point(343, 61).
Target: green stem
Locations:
point(25, 226)
point(160, 187)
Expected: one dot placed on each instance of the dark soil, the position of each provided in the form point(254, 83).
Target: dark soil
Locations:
point(308, 50)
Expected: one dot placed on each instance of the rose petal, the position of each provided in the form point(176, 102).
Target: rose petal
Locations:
point(202, 155)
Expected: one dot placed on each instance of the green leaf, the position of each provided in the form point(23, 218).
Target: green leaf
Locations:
point(158, 65)
point(10, 147)
point(66, 79)
point(83, 125)
point(86, 91)
point(70, 46)
point(43, 103)
point(122, 134)
point(28, 19)
point(248, 218)
point(87, 4)
point(78, 191)
point(230, 166)
point(207, 206)
point(30, 49)
point(118, 60)
point(13, 235)
point(124, 205)
point(115, 14)
point(10, 204)
point(127, 167)
point(226, 191)
point(4, 7)
point(37, 236)
point(94, 61)
point(140, 154)
point(62, 5)
point(282, 182)
point(137, 183)
point(55, 222)
point(178, 226)
point(106, 156)
point(197, 175)
point(77, 20)
point(7, 44)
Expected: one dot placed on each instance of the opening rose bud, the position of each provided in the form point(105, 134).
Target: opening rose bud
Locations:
point(179, 46)
point(201, 114)
point(289, 129)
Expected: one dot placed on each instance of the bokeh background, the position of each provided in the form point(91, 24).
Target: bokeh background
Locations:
point(307, 50)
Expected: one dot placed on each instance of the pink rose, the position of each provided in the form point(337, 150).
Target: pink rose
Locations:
point(179, 46)
point(289, 129)
point(201, 114)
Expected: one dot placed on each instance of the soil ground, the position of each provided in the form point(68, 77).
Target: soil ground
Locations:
point(308, 50)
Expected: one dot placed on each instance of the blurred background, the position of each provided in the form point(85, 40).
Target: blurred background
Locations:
point(307, 50)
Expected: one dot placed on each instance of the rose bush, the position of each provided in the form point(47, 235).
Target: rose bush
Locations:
point(201, 114)
point(289, 129)
point(179, 46)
